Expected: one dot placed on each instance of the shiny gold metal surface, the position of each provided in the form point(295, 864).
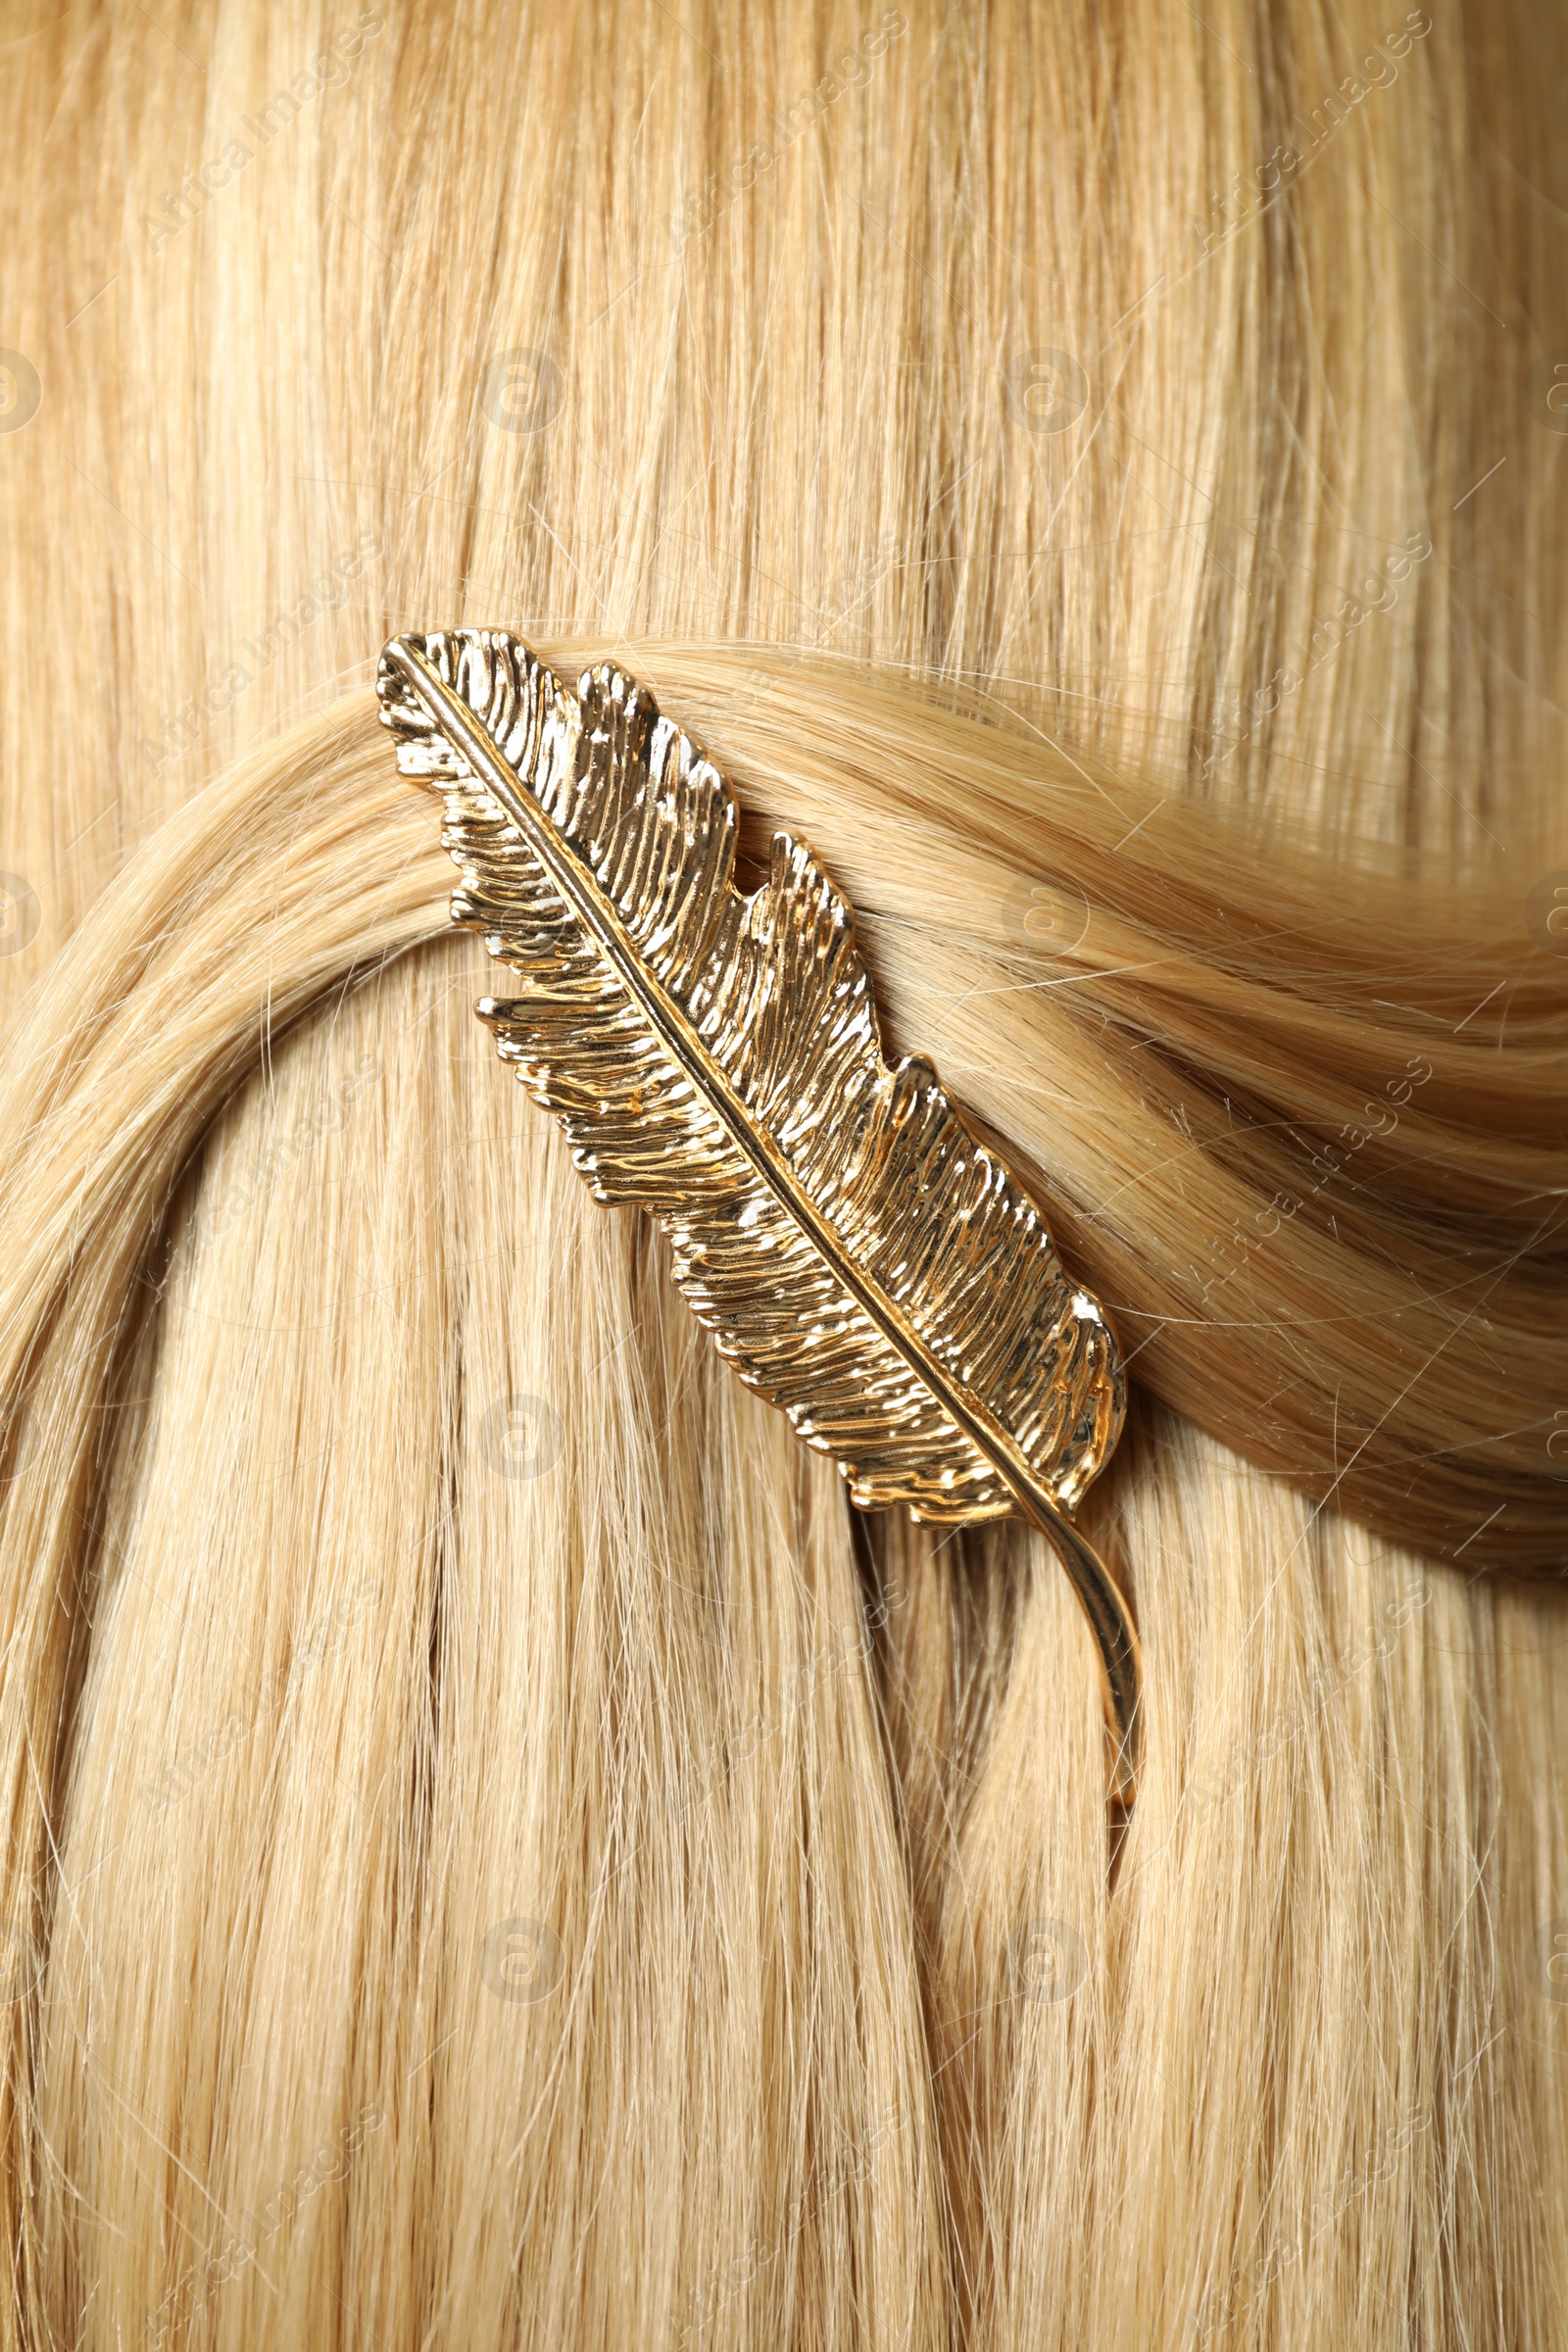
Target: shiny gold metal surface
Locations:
point(863, 1259)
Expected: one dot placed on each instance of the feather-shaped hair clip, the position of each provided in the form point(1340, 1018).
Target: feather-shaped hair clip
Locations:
point(863, 1261)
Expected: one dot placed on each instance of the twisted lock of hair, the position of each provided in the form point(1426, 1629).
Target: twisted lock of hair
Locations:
point(495, 1853)
point(178, 1028)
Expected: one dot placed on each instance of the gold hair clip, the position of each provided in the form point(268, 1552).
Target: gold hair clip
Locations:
point(866, 1262)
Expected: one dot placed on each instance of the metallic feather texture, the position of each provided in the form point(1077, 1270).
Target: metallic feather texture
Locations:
point(861, 1258)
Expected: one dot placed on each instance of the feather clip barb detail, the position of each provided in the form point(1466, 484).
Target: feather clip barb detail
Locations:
point(863, 1259)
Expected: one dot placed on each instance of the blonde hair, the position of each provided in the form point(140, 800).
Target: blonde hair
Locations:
point(497, 1851)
